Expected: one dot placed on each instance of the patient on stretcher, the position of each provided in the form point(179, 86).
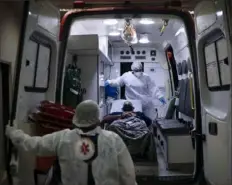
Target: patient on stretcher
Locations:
point(128, 123)
point(127, 111)
point(133, 130)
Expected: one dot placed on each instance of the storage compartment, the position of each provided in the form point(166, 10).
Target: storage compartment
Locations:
point(49, 117)
point(175, 143)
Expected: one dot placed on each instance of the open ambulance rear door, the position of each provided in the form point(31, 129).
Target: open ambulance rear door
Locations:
point(213, 39)
point(36, 69)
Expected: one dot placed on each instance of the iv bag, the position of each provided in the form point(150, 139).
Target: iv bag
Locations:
point(129, 34)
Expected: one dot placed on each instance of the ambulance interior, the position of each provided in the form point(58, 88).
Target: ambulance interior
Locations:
point(96, 48)
point(95, 51)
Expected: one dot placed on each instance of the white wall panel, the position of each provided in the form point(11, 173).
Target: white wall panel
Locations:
point(89, 76)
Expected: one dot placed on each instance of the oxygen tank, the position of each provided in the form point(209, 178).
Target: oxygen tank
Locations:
point(73, 93)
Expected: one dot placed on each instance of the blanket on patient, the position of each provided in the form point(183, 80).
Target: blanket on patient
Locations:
point(136, 135)
point(116, 115)
point(132, 127)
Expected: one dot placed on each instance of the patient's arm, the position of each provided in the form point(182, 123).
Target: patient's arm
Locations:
point(120, 81)
point(127, 114)
point(110, 118)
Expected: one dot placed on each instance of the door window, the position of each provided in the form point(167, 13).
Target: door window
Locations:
point(217, 65)
point(38, 66)
point(223, 61)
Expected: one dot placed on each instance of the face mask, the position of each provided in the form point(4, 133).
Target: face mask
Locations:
point(138, 74)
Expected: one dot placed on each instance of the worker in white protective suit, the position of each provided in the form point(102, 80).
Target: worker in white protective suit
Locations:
point(87, 155)
point(139, 86)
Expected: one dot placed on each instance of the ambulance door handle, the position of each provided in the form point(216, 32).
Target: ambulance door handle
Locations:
point(213, 128)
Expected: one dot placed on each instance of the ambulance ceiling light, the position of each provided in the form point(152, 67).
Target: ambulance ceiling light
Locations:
point(144, 39)
point(110, 21)
point(114, 33)
point(219, 13)
point(146, 21)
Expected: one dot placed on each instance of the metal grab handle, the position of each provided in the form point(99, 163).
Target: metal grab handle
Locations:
point(191, 91)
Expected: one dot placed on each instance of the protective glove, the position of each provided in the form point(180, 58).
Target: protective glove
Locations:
point(162, 100)
point(9, 130)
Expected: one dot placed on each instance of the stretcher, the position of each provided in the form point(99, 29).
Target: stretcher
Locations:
point(49, 117)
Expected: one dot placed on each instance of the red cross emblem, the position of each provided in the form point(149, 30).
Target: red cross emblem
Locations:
point(84, 148)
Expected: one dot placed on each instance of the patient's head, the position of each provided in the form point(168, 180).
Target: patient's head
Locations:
point(127, 107)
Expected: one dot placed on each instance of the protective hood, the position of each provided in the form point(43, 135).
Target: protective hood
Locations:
point(137, 66)
point(87, 114)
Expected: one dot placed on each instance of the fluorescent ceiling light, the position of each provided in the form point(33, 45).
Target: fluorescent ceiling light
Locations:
point(110, 21)
point(146, 21)
point(120, 29)
point(219, 13)
point(144, 40)
point(181, 30)
point(165, 43)
point(191, 12)
point(114, 33)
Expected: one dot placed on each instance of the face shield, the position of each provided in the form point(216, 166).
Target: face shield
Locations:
point(138, 74)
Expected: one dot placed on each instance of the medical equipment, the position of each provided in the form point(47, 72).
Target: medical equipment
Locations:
point(73, 93)
point(165, 24)
point(129, 34)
